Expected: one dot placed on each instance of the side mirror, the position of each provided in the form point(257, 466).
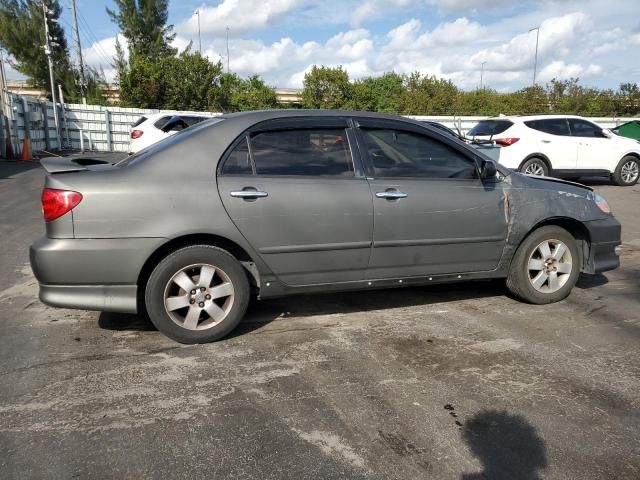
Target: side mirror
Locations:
point(488, 169)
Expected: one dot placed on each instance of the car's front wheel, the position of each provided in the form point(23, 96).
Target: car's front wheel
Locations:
point(627, 172)
point(197, 294)
point(545, 267)
point(535, 166)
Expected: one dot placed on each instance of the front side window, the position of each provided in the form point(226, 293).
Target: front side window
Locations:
point(552, 126)
point(309, 152)
point(397, 153)
point(582, 128)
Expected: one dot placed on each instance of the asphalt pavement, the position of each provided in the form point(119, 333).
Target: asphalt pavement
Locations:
point(451, 382)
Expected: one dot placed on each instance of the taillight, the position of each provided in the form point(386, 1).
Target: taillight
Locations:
point(56, 203)
point(136, 134)
point(505, 142)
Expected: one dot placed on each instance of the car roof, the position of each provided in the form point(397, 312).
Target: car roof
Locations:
point(525, 118)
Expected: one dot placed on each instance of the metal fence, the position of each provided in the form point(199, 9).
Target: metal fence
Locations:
point(107, 128)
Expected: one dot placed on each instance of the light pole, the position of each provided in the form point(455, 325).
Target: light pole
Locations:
point(481, 74)
point(197, 12)
point(535, 60)
point(47, 51)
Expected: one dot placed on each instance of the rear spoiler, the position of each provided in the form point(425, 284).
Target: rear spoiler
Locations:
point(69, 164)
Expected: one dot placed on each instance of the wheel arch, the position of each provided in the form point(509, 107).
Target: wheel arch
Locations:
point(174, 244)
point(575, 227)
point(541, 156)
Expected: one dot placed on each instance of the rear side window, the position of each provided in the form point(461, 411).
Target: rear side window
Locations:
point(397, 153)
point(161, 122)
point(552, 126)
point(309, 152)
point(138, 122)
point(193, 120)
point(238, 162)
point(489, 127)
point(582, 128)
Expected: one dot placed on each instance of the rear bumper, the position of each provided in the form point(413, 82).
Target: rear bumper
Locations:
point(91, 274)
point(104, 298)
point(605, 236)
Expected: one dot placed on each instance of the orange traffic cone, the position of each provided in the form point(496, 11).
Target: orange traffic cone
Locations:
point(26, 150)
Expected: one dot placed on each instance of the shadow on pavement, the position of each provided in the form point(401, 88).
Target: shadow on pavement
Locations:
point(9, 168)
point(125, 321)
point(507, 445)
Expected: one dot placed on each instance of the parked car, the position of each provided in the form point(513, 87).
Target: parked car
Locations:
point(488, 147)
point(562, 146)
point(280, 202)
point(152, 128)
point(629, 129)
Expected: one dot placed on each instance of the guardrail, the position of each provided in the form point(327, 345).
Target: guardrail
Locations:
point(107, 128)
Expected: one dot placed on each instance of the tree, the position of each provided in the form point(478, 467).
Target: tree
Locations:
point(326, 87)
point(428, 94)
point(144, 24)
point(22, 35)
point(237, 94)
point(378, 94)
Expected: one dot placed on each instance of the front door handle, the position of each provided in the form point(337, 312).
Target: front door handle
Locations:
point(249, 194)
point(391, 194)
point(545, 141)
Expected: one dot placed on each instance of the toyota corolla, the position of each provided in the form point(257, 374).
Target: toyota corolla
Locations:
point(274, 203)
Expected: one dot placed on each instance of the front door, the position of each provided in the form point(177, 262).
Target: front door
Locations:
point(432, 213)
point(594, 148)
point(295, 196)
point(554, 140)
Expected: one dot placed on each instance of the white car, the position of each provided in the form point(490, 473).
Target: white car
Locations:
point(561, 146)
point(153, 127)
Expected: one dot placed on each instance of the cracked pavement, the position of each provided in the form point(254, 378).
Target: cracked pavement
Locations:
point(450, 381)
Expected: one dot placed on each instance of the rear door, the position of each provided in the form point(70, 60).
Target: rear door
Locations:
point(554, 140)
point(433, 214)
point(294, 191)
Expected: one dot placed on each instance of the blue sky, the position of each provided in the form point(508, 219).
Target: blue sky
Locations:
point(281, 39)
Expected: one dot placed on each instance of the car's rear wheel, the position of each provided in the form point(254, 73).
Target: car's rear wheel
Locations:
point(197, 294)
point(535, 166)
point(627, 172)
point(545, 267)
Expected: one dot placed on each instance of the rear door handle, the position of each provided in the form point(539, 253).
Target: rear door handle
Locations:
point(391, 194)
point(545, 141)
point(249, 194)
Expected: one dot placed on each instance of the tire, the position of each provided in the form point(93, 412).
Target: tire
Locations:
point(535, 164)
point(521, 277)
point(179, 301)
point(627, 172)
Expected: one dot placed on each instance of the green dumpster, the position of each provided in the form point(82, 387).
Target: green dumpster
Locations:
point(630, 129)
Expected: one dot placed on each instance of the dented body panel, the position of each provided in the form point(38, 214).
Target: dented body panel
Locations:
point(308, 234)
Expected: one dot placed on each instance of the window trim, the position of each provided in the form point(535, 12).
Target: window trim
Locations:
point(384, 124)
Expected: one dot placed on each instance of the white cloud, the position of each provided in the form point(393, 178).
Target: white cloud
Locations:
point(100, 55)
point(241, 16)
point(562, 71)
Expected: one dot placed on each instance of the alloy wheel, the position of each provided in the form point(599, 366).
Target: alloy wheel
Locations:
point(550, 266)
point(198, 296)
point(630, 171)
point(534, 169)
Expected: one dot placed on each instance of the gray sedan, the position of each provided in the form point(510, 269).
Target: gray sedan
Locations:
point(274, 203)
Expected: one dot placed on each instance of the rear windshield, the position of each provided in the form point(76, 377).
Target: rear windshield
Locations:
point(138, 122)
point(489, 127)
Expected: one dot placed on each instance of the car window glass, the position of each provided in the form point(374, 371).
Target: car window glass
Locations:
point(489, 127)
point(397, 153)
point(582, 128)
point(193, 120)
point(161, 122)
point(138, 122)
point(552, 126)
point(302, 152)
point(238, 161)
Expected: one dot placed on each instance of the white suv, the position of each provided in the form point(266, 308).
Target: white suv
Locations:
point(153, 127)
point(562, 146)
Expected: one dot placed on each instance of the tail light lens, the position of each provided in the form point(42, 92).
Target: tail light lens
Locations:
point(136, 134)
point(56, 203)
point(505, 142)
